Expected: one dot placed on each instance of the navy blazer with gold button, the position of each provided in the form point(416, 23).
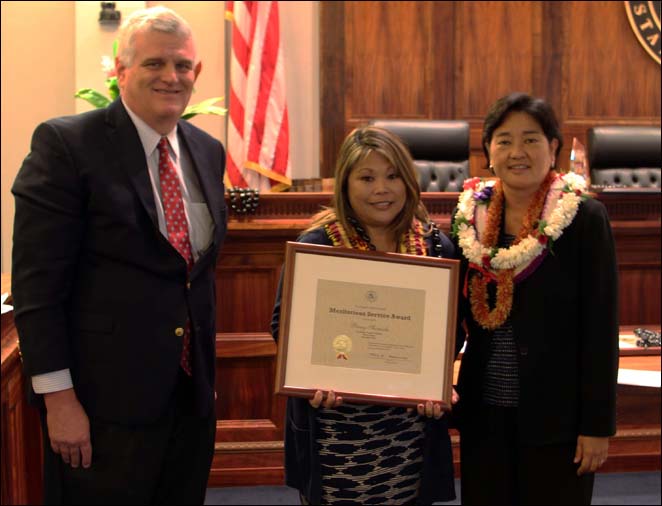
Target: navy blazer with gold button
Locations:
point(97, 288)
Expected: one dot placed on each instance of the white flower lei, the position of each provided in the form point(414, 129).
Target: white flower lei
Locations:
point(561, 205)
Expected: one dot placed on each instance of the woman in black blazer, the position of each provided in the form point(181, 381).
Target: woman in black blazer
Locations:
point(537, 382)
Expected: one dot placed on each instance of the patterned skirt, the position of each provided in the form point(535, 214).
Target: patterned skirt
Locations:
point(370, 454)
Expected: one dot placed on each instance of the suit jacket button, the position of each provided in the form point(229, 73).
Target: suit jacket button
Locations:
point(188, 285)
point(179, 332)
point(524, 351)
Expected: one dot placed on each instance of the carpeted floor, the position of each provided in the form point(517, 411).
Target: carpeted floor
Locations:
point(611, 488)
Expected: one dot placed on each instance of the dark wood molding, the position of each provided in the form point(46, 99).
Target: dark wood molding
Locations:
point(21, 432)
point(332, 83)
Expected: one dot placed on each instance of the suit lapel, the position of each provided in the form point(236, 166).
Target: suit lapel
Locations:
point(129, 155)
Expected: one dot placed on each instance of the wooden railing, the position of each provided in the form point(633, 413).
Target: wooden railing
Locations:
point(21, 432)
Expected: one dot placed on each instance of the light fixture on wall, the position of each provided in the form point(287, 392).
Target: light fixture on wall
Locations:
point(108, 14)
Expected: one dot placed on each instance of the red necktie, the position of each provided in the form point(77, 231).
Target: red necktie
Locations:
point(177, 227)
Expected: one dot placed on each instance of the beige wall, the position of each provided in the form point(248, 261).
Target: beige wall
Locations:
point(92, 41)
point(51, 49)
point(37, 81)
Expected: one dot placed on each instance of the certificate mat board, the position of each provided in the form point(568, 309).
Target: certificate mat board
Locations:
point(373, 327)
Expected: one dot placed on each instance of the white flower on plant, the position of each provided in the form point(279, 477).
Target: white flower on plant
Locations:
point(107, 64)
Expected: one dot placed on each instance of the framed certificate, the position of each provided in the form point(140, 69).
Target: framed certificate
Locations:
point(373, 327)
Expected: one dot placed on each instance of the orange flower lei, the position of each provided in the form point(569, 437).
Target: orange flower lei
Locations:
point(492, 319)
point(411, 243)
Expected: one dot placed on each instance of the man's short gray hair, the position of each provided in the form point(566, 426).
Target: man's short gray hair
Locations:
point(158, 19)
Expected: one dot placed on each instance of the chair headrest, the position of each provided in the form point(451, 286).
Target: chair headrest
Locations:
point(446, 140)
point(441, 176)
point(624, 146)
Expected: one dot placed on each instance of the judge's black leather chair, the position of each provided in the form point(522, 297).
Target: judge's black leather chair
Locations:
point(440, 149)
point(625, 155)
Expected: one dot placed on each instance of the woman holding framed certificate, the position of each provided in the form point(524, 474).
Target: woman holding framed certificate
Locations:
point(364, 453)
point(537, 382)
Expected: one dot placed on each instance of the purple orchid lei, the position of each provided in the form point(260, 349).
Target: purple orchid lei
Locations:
point(483, 196)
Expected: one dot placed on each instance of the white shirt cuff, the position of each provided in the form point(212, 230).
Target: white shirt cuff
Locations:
point(52, 381)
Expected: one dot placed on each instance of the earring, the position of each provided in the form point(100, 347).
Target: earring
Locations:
point(491, 169)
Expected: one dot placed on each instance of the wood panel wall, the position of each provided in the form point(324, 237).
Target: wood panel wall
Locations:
point(249, 431)
point(451, 60)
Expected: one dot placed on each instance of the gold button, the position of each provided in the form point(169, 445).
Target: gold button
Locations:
point(188, 285)
point(179, 332)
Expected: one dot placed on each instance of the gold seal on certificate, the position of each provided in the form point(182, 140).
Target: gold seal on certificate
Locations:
point(342, 345)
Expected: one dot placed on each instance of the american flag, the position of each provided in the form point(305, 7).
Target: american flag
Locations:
point(258, 132)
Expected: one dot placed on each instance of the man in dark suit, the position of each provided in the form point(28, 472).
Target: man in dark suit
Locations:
point(120, 216)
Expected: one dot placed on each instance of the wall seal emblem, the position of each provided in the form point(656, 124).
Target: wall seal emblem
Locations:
point(644, 19)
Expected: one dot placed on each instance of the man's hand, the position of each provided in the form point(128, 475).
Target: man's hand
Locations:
point(591, 452)
point(68, 427)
